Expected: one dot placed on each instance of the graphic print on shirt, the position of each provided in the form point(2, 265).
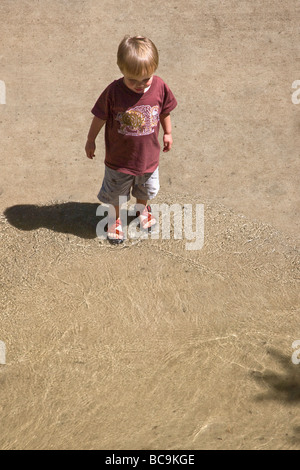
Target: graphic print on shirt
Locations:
point(140, 120)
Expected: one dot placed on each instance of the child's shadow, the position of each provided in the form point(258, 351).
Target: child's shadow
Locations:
point(76, 218)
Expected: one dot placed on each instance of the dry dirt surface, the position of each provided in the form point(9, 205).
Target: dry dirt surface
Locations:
point(150, 345)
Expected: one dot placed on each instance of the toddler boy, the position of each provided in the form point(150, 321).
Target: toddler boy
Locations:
point(132, 109)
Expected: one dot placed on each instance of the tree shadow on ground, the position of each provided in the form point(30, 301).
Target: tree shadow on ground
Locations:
point(283, 387)
point(295, 439)
point(76, 218)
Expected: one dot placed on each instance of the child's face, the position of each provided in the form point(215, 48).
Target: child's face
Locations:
point(138, 84)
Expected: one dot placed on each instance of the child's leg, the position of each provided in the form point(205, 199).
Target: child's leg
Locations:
point(113, 213)
point(146, 187)
point(147, 220)
point(115, 184)
point(141, 203)
point(115, 232)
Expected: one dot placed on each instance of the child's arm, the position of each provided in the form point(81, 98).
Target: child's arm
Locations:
point(165, 120)
point(95, 128)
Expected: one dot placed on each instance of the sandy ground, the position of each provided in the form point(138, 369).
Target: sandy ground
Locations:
point(150, 345)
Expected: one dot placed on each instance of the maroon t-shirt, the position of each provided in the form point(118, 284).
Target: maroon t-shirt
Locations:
point(132, 125)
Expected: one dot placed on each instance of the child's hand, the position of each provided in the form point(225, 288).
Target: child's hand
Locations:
point(90, 148)
point(168, 141)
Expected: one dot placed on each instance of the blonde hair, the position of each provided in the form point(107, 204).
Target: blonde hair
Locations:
point(137, 56)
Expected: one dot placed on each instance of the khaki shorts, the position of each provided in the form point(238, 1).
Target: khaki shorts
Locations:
point(117, 184)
